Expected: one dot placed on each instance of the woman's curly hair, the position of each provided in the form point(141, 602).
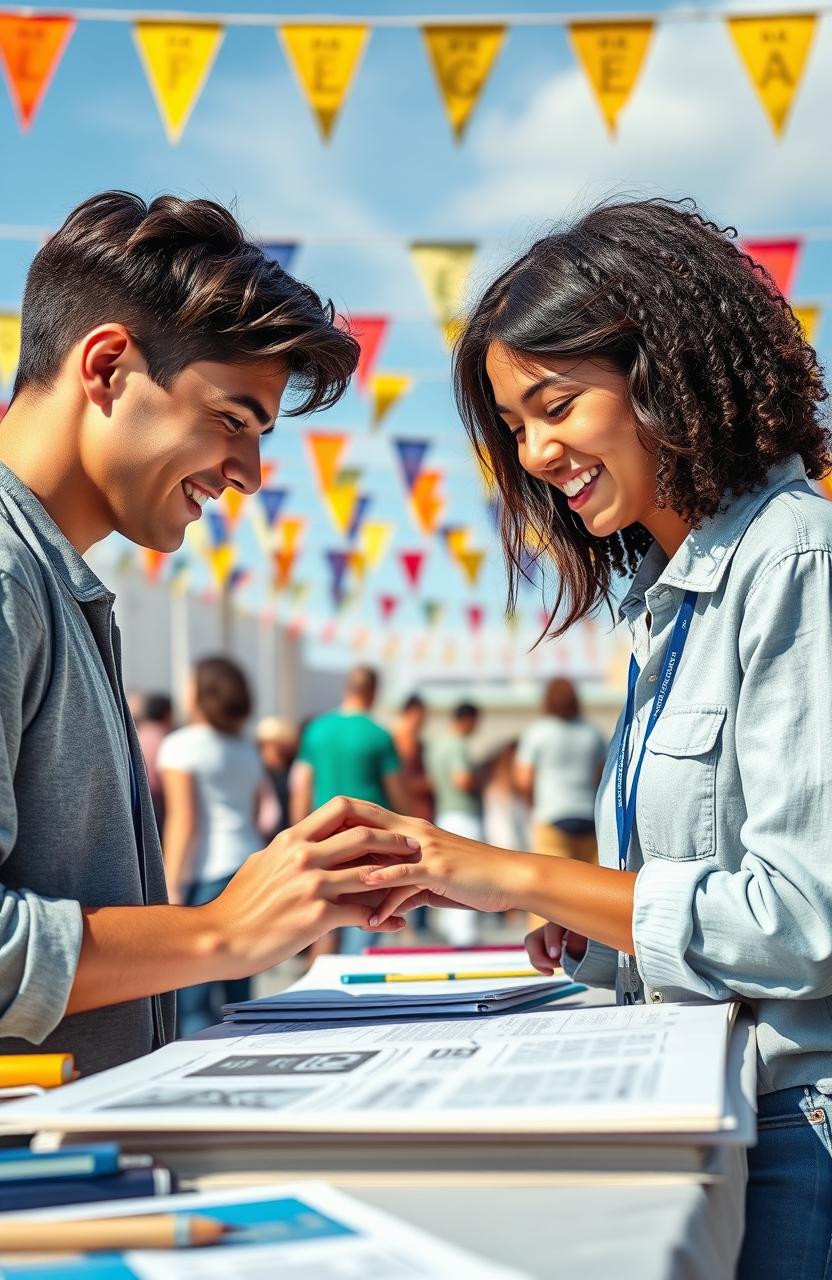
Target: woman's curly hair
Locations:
point(721, 380)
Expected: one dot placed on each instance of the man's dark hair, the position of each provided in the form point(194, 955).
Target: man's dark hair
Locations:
point(362, 682)
point(187, 284)
point(560, 698)
point(222, 694)
point(466, 711)
point(413, 703)
point(721, 381)
point(157, 707)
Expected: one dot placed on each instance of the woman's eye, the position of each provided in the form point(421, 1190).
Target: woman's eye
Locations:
point(555, 410)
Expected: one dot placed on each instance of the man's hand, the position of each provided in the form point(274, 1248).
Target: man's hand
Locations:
point(308, 881)
point(545, 946)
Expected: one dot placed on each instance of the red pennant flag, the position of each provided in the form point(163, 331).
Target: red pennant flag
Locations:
point(476, 613)
point(412, 562)
point(780, 259)
point(369, 331)
point(388, 606)
point(30, 50)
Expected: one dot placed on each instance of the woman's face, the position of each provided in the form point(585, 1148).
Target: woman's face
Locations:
point(575, 430)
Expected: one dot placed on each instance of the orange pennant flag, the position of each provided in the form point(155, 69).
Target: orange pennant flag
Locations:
point(30, 50)
point(290, 530)
point(428, 503)
point(326, 451)
point(234, 503)
point(153, 562)
point(284, 563)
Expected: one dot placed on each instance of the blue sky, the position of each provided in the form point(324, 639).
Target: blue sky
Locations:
point(536, 151)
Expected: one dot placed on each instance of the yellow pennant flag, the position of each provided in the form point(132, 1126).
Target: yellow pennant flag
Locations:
point(471, 563)
point(774, 51)
point(462, 58)
point(290, 530)
point(611, 54)
point(358, 564)
point(386, 389)
point(458, 540)
point(325, 60)
point(444, 270)
point(9, 344)
point(374, 539)
point(808, 317)
point(177, 58)
point(221, 560)
point(234, 502)
point(341, 498)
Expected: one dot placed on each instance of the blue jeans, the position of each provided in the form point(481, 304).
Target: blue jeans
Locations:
point(788, 1215)
point(201, 1006)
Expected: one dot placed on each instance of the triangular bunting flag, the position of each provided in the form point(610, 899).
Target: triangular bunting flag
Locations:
point(808, 317)
point(411, 455)
point(462, 58)
point(444, 270)
point(369, 332)
point(779, 258)
point(234, 502)
point(611, 54)
point(774, 52)
point(272, 501)
point(342, 498)
point(284, 563)
point(433, 610)
point(153, 562)
point(388, 606)
point(359, 511)
point(338, 563)
point(30, 50)
point(9, 345)
point(471, 563)
point(326, 451)
point(324, 59)
point(290, 530)
point(177, 59)
point(238, 578)
point(475, 614)
point(412, 563)
point(428, 504)
point(374, 539)
point(217, 528)
point(457, 541)
point(221, 560)
point(358, 564)
point(282, 253)
point(386, 389)
point(267, 470)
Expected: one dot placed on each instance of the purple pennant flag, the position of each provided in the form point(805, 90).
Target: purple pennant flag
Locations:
point(273, 500)
point(411, 456)
point(217, 528)
point(495, 507)
point(338, 563)
point(529, 567)
point(359, 512)
point(283, 253)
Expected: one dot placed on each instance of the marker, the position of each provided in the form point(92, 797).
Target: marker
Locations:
point(352, 979)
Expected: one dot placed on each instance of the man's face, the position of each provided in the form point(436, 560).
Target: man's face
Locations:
point(159, 455)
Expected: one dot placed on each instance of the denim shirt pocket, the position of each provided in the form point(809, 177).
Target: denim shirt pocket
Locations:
point(677, 794)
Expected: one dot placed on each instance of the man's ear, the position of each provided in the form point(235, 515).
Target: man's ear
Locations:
point(107, 355)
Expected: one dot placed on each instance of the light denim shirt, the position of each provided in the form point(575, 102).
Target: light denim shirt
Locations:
point(733, 832)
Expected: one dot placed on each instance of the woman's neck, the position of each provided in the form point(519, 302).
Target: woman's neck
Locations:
point(668, 528)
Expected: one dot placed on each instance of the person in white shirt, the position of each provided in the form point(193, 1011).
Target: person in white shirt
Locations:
point(213, 782)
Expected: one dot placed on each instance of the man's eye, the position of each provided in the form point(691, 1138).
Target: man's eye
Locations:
point(234, 425)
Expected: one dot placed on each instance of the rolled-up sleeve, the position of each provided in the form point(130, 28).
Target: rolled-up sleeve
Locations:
point(596, 967)
point(40, 938)
point(764, 930)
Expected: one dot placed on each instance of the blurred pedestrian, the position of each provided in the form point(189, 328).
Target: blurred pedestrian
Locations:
point(457, 787)
point(277, 740)
point(558, 768)
point(407, 736)
point(155, 723)
point(213, 779)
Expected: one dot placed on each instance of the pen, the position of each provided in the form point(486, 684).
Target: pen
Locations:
point(46, 1069)
point(90, 1161)
point(351, 979)
point(149, 1231)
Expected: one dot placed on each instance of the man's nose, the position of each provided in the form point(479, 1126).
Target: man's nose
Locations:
point(242, 470)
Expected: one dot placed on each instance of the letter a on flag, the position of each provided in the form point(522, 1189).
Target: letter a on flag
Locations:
point(462, 58)
point(774, 52)
point(325, 60)
point(611, 54)
point(9, 344)
point(177, 59)
point(30, 50)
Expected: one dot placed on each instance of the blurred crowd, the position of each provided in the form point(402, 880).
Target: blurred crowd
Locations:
point(218, 794)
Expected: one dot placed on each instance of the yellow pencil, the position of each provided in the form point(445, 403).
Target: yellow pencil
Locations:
point(44, 1069)
point(146, 1231)
point(351, 979)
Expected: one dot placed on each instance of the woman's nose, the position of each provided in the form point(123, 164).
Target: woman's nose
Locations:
point(541, 451)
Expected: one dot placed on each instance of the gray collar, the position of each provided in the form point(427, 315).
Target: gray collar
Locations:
point(47, 540)
point(703, 558)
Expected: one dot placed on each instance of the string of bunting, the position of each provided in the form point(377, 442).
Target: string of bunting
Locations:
point(177, 55)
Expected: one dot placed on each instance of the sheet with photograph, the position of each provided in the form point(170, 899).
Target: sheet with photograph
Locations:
point(608, 1070)
point(293, 1231)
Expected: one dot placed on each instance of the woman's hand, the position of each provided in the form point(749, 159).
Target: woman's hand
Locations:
point(545, 946)
point(308, 881)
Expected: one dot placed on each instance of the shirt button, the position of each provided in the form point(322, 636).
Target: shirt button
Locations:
point(652, 679)
point(656, 997)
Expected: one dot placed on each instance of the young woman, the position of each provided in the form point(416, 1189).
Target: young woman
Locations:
point(650, 407)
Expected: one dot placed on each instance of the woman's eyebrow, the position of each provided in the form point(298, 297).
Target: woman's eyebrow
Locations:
point(543, 384)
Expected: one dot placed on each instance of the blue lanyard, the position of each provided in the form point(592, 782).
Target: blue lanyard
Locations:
point(625, 809)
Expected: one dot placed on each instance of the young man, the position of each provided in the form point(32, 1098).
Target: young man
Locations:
point(157, 343)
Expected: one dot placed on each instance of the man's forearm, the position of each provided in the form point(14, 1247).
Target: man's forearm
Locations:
point(131, 952)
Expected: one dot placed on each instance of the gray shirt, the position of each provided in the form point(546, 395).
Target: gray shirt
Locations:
point(567, 756)
point(69, 833)
point(733, 835)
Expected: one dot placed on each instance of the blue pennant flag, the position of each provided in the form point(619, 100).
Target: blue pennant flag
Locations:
point(283, 253)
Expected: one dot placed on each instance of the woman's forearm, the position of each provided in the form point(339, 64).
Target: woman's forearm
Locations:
point(596, 902)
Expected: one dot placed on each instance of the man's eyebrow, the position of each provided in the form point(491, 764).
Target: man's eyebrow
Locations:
point(254, 406)
point(542, 384)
